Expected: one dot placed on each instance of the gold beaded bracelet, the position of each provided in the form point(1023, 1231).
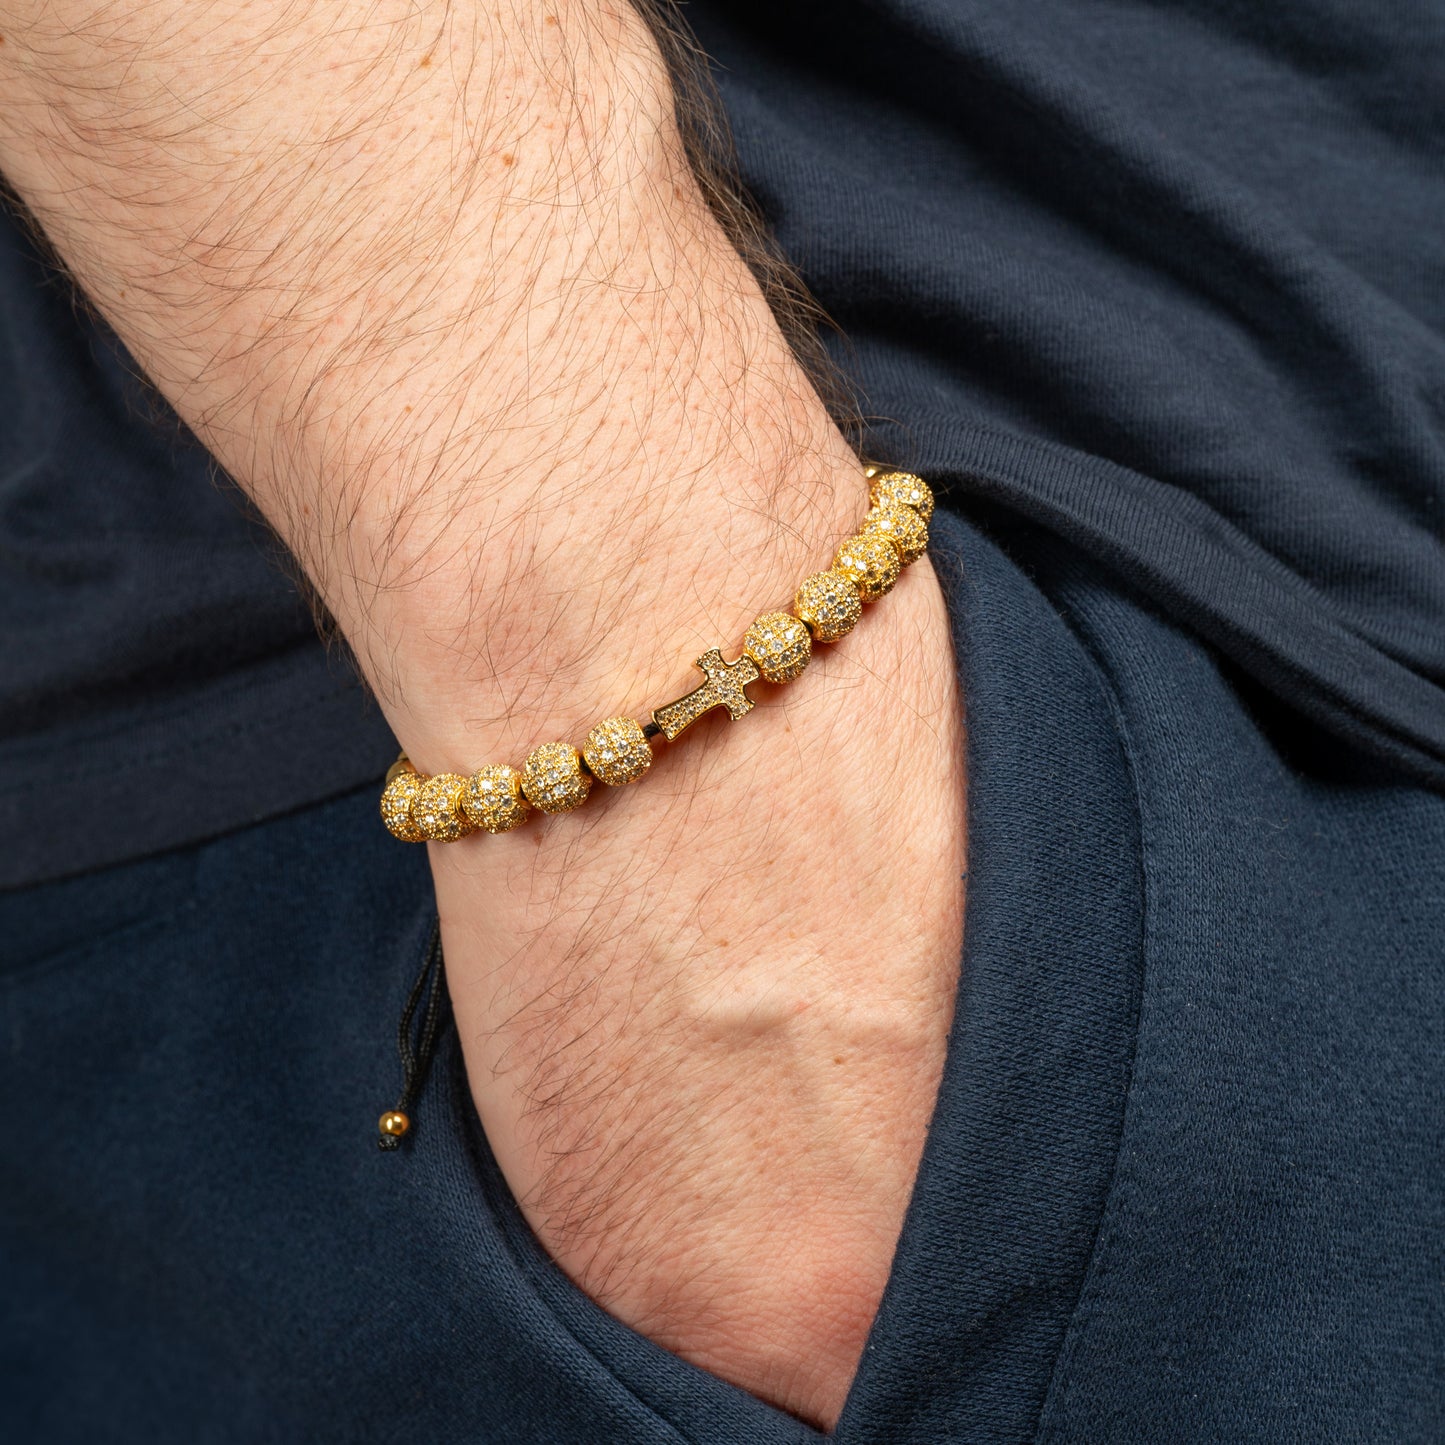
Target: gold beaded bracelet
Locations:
point(557, 777)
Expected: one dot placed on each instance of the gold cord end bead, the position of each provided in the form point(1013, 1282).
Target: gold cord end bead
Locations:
point(393, 1123)
point(617, 751)
point(780, 645)
point(828, 603)
point(438, 808)
point(902, 526)
point(902, 489)
point(553, 778)
point(397, 801)
point(493, 800)
point(871, 564)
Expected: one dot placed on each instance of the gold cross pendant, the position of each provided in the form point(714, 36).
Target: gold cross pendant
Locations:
point(723, 688)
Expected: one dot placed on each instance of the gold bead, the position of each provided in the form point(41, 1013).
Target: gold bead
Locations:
point(870, 563)
point(780, 645)
point(438, 808)
point(828, 603)
point(493, 799)
point(401, 765)
point(617, 751)
point(394, 1122)
point(553, 780)
point(902, 526)
point(904, 489)
point(397, 801)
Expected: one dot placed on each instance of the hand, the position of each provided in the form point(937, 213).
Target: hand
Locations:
point(704, 1016)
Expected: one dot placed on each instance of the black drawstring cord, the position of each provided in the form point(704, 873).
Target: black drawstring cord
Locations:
point(415, 1062)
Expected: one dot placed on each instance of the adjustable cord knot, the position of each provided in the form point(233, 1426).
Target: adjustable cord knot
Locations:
point(430, 986)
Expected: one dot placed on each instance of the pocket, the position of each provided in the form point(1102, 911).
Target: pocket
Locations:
point(678, 1401)
point(1025, 1135)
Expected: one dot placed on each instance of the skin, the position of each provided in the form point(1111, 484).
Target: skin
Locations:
point(438, 288)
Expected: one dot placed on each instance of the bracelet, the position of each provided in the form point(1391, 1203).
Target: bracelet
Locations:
point(558, 777)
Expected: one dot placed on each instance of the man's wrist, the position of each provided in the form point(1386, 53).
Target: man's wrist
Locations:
point(573, 623)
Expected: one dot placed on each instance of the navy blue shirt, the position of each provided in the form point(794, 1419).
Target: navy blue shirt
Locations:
point(1156, 295)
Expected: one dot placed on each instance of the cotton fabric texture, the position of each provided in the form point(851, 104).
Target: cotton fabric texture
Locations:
point(1155, 295)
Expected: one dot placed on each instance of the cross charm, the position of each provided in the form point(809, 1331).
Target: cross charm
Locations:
point(723, 688)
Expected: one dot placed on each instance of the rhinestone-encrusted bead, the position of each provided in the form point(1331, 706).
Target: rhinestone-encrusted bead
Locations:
point(493, 799)
point(553, 780)
point(617, 751)
point(870, 563)
point(397, 800)
point(780, 645)
point(904, 489)
point(828, 602)
point(902, 526)
point(438, 808)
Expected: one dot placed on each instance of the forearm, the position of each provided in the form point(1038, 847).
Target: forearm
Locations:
point(441, 293)
point(426, 286)
point(359, 238)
